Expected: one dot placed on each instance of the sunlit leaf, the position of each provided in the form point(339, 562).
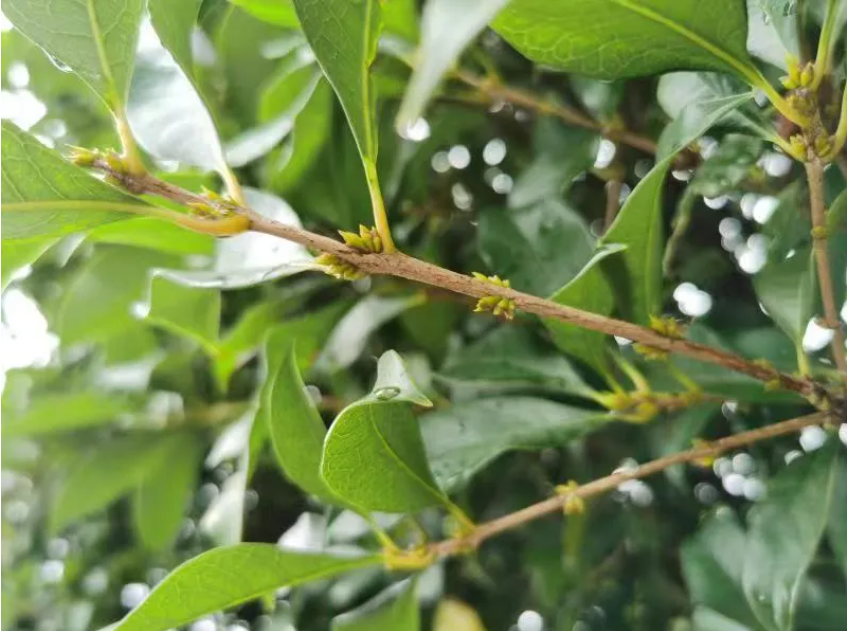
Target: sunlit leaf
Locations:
point(395, 609)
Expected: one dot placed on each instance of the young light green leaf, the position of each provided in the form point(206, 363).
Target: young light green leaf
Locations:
point(277, 12)
point(393, 381)
point(63, 412)
point(174, 23)
point(193, 312)
point(343, 36)
point(296, 429)
point(785, 529)
point(638, 226)
point(787, 289)
point(537, 248)
point(43, 195)
point(373, 456)
point(394, 609)
point(155, 234)
point(106, 473)
point(229, 576)
point(589, 291)
point(168, 116)
point(510, 358)
point(462, 439)
point(695, 120)
point(629, 38)
point(712, 562)
point(160, 501)
point(448, 26)
point(95, 38)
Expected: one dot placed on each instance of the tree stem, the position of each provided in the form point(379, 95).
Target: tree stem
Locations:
point(814, 173)
point(402, 266)
point(556, 503)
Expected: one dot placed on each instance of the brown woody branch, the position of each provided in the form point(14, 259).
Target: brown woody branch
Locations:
point(403, 266)
point(556, 503)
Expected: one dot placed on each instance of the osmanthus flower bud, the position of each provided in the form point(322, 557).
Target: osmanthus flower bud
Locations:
point(336, 266)
point(667, 327)
point(497, 305)
point(574, 504)
point(367, 241)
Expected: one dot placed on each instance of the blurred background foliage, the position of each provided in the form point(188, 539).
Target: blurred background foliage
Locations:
point(128, 402)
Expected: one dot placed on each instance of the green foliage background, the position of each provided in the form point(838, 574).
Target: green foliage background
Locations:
point(176, 401)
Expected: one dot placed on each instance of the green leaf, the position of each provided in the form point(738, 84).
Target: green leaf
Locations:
point(309, 331)
point(837, 526)
point(296, 429)
point(106, 472)
point(395, 609)
point(192, 312)
point(638, 226)
point(511, 358)
point(277, 12)
point(448, 26)
point(772, 31)
point(712, 562)
point(252, 258)
point(695, 120)
point(229, 576)
point(373, 456)
point(787, 289)
point(167, 115)
point(589, 291)
point(462, 439)
point(113, 279)
point(350, 336)
point(343, 36)
point(785, 529)
point(95, 38)
point(51, 413)
point(537, 248)
point(629, 38)
point(43, 195)
point(705, 619)
point(155, 234)
point(174, 23)
point(160, 501)
point(282, 102)
point(18, 253)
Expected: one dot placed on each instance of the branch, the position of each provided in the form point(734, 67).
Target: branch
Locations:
point(555, 504)
point(814, 172)
point(403, 266)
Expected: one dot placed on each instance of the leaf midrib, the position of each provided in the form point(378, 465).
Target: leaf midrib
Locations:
point(99, 44)
point(743, 69)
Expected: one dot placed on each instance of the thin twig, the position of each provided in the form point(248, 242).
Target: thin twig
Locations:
point(402, 266)
point(814, 173)
point(610, 482)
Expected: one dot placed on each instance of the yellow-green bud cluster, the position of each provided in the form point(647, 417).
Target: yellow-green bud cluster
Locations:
point(798, 77)
point(338, 267)
point(703, 461)
point(497, 305)
point(574, 504)
point(87, 157)
point(668, 327)
point(367, 241)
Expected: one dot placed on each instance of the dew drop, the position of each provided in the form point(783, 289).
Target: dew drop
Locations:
point(386, 394)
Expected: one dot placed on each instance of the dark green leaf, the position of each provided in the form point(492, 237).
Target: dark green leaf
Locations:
point(448, 27)
point(296, 429)
point(785, 529)
point(538, 248)
point(373, 455)
point(464, 438)
point(95, 38)
point(695, 120)
point(230, 576)
point(787, 290)
point(712, 562)
point(589, 291)
point(629, 38)
point(638, 226)
point(43, 195)
point(837, 526)
point(395, 609)
point(160, 502)
point(193, 312)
